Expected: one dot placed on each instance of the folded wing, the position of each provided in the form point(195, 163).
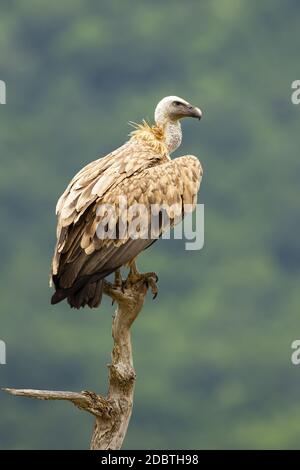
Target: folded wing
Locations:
point(81, 258)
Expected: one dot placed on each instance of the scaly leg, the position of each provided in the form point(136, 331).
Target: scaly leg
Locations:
point(118, 278)
point(118, 284)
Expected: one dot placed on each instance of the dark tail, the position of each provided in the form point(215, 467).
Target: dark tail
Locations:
point(90, 293)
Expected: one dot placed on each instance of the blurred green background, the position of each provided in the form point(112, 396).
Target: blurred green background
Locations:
point(212, 353)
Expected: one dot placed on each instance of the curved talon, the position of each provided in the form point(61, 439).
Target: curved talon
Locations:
point(149, 279)
point(152, 284)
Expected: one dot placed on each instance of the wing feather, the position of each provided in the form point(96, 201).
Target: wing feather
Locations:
point(171, 183)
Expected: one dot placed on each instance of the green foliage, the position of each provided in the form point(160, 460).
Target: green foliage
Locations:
point(76, 73)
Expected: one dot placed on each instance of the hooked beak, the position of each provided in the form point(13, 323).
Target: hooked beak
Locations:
point(195, 112)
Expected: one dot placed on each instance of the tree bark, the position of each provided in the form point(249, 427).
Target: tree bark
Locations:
point(113, 412)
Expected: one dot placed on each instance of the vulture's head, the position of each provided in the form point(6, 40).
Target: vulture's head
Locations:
point(173, 108)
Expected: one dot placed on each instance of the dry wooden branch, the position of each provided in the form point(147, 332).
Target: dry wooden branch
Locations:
point(112, 412)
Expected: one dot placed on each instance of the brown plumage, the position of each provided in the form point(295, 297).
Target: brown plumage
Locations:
point(142, 171)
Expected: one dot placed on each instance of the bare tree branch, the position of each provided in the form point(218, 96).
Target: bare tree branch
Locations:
point(87, 401)
point(114, 411)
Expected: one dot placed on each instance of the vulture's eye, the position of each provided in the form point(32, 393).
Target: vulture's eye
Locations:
point(177, 103)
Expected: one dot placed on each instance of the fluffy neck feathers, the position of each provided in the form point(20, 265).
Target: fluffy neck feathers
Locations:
point(163, 138)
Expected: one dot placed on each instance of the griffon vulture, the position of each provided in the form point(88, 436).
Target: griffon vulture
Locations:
point(140, 170)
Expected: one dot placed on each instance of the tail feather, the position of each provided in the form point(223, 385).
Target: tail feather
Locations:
point(59, 295)
point(89, 294)
point(87, 290)
point(95, 301)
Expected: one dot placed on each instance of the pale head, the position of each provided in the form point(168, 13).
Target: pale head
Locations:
point(173, 108)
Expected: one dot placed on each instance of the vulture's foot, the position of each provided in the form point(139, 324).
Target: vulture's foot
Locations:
point(149, 279)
